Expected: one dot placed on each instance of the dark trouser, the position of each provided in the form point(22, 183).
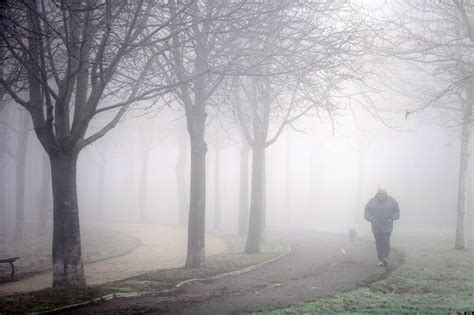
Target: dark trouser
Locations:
point(382, 241)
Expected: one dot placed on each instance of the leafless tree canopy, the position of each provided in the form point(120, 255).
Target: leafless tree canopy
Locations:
point(237, 72)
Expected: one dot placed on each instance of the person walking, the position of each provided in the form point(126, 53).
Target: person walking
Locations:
point(381, 211)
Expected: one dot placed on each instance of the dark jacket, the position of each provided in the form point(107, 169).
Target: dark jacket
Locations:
point(381, 213)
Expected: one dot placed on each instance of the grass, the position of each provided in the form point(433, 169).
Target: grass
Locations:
point(35, 251)
point(433, 279)
point(46, 299)
point(165, 279)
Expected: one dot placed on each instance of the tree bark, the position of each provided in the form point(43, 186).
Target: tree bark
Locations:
point(469, 201)
point(197, 202)
point(462, 184)
point(244, 190)
point(180, 179)
point(3, 155)
point(21, 151)
point(256, 202)
point(67, 260)
point(217, 190)
point(264, 198)
point(3, 210)
point(44, 196)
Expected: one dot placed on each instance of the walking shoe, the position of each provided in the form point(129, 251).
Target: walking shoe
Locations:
point(385, 262)
point(380, 263)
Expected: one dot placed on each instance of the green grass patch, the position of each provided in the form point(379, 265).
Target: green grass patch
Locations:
point(433, 279)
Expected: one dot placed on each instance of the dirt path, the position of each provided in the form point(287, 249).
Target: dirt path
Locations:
point(161, 247)
point(320, 265)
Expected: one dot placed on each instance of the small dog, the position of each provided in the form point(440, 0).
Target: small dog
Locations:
point(352, 234)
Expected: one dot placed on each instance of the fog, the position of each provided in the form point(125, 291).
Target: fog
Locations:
point(316, 178)
point(174, 132)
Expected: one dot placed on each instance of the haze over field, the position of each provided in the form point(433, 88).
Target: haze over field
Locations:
point(195, 129)
point(316, 178)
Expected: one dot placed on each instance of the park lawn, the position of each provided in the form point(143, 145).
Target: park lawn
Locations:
point(160, 280)
point(432, 279)
point(47, 299)
point(35, 250)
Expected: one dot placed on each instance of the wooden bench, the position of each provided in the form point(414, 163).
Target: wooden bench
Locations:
point(10, 261)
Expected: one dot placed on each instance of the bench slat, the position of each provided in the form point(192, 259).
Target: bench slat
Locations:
point(8, 260)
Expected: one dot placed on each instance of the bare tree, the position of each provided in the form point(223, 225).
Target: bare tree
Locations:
point(202, 56)
point(469, 201)
point(244, 187)
point(219, 137)
point(304, 64)
point(180, 169)
point(76, 60)
point(44, 196)
point(6, 153)
point(255, 122)
point(435, 40)
point(218, 147)
point(20, 170)
point(4, 150)
point(150, 135)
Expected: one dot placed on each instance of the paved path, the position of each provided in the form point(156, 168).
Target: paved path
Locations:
point(161, 247)
point(320, 265)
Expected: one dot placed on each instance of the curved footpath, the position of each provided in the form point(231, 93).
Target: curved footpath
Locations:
point(161, 247)
point(319, 265)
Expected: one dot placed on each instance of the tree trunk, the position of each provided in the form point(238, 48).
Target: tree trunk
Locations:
point(68, 270)
point(197, 202)
point(244, 190)
point(462, 185)
point(44, 196)
point(217, 189)
point(101, 188)
point(3, 210)
point(3, 155)
point(256, 202)
point(180, 180)
point(470, 191)
point(143, 186)
point(264, 198)
point(469, 201)
point(21, 150)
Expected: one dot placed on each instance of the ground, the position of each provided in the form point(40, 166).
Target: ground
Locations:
point(323, 273)
point(155, 265)
point(34, 250)
point(433, 279)
point(319, 265)
point(155, 247)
